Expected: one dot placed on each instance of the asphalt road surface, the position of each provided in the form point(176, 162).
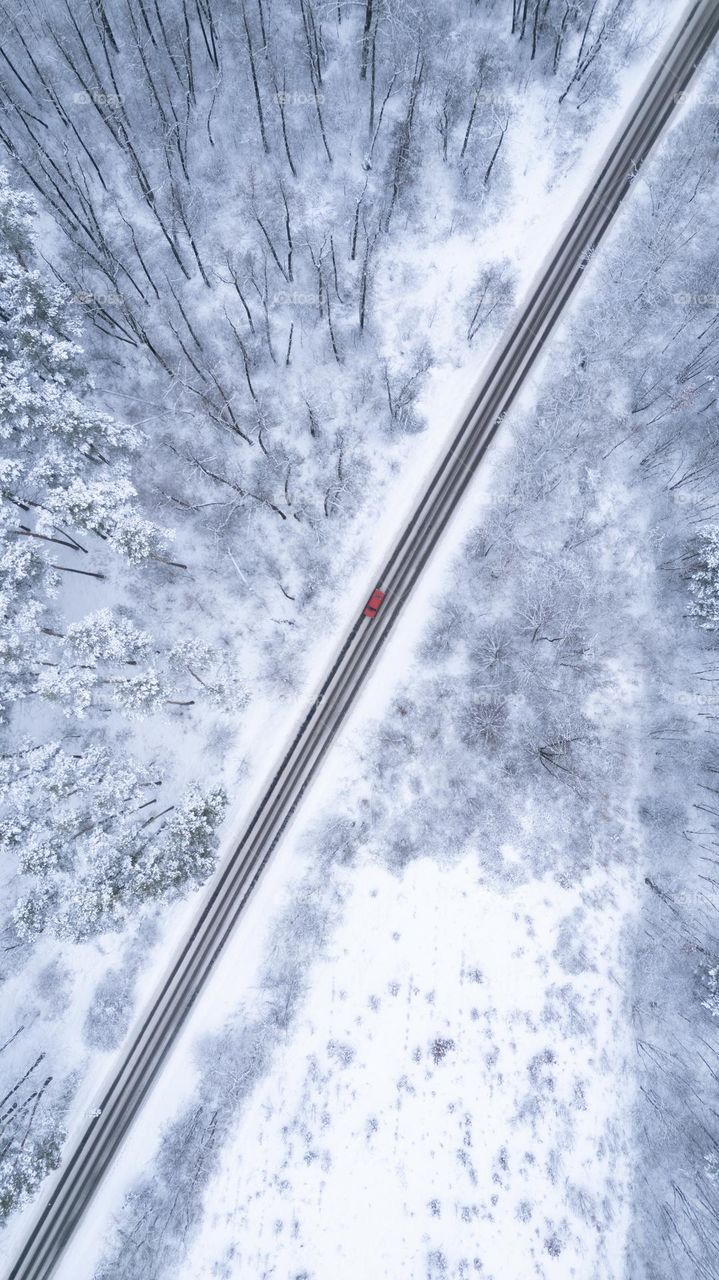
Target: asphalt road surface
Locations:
point(69, 1195)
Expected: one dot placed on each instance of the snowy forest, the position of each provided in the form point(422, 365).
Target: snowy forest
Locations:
point(576, 669)
point(227, 347)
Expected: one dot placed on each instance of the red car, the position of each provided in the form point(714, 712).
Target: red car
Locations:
point(372, 606)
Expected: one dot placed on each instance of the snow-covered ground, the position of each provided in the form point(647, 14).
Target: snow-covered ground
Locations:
point(454, 1098)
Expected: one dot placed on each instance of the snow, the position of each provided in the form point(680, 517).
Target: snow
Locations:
point(448, 922)
point(546, 186)
point(457, 1087)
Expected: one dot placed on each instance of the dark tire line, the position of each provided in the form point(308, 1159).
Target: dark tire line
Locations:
point(356, 657)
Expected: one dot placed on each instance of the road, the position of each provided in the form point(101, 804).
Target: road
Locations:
point(67, 1198)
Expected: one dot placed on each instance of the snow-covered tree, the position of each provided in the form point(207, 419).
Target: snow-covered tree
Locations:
point(106, 637)
point(107, 660)
point(704, 580)
point(91, 841)
point(52, 435)
point(214, 674)
point(64, 465)
point(186, 850)
point(32, 1130)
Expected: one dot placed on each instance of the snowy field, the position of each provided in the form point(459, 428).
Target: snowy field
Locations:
point(454, 1098)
